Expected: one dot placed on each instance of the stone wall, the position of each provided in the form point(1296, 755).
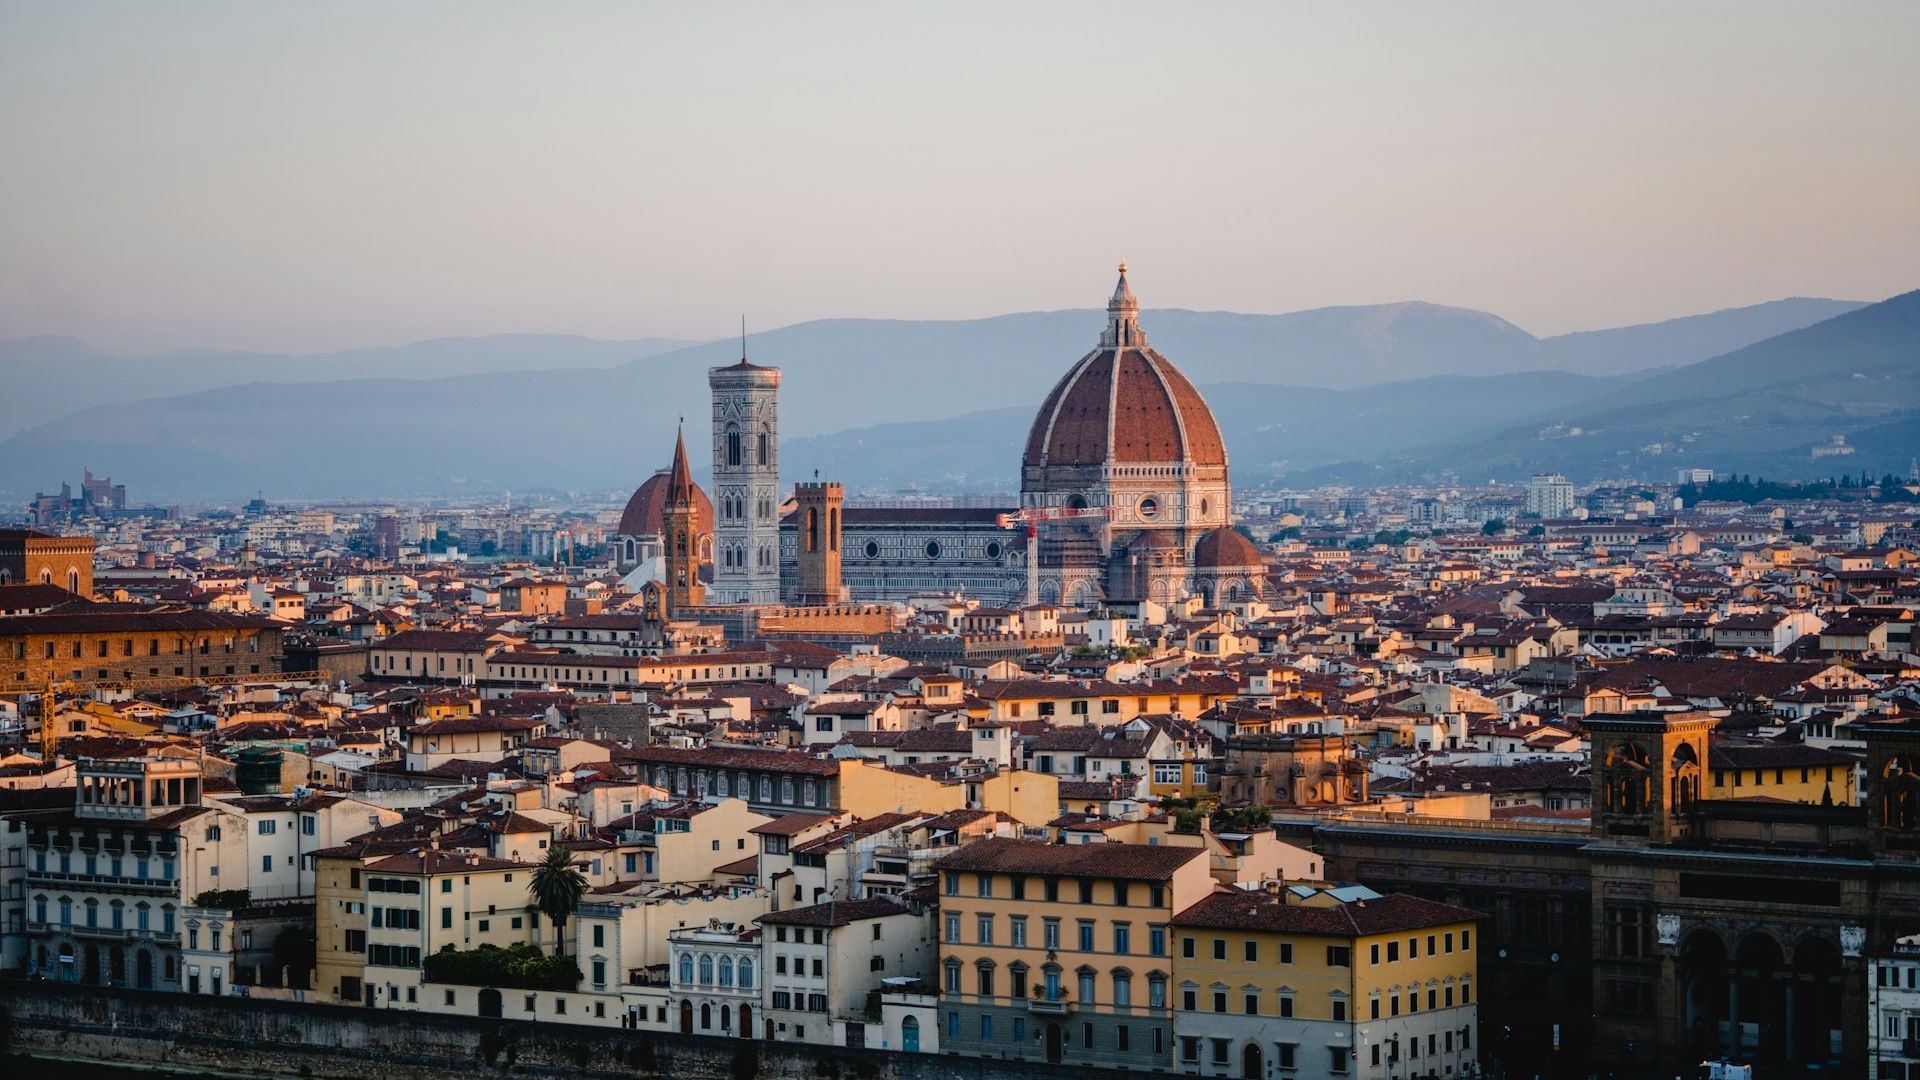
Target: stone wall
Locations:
point(283, 1038)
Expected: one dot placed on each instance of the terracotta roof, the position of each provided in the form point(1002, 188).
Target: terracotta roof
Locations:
point(839, 913)
point(437, 861)
point(1135, 862)
point(792, 824)
point(1244, 910)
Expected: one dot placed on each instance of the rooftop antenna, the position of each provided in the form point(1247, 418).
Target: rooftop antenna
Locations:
point(743, 337)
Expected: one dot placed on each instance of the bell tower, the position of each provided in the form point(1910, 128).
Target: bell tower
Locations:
point(746, 482)
point(1647, 774)
point(680, 528)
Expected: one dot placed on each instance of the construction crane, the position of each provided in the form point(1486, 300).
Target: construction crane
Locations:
point(50, 692)
point(1032, 516)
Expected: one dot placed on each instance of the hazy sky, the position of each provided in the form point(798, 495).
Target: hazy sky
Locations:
point(317, 176)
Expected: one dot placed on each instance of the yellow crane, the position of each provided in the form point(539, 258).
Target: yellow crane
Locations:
point(50, 692)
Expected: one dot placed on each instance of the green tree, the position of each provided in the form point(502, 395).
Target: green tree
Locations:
point(1493, 527)
point(557, 888)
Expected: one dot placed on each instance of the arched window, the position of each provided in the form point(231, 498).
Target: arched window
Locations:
point(733, 446)
point(73, 581)
point(1685, 782)
point(686, 967)
point(726, 971)
point(1627, 780)
point(1899, 793)
point(746, 973)
point(706, 970)
point(766, 449)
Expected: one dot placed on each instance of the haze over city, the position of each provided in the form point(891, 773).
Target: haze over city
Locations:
point(742, 541)
point(303, 179)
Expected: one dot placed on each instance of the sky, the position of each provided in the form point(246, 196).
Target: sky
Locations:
point(307, 177)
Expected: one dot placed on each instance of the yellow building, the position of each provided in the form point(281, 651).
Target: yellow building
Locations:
point(1328, 981)
point(1791, 772)
point(1060, 953)
point(427, 899)
point(1069, 702)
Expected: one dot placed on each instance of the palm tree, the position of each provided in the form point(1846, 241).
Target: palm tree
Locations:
point(557, 887)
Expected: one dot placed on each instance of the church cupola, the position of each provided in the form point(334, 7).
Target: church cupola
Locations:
point(1123, 317)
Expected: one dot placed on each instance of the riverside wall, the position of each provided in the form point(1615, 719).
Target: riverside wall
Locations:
point(272, 1038)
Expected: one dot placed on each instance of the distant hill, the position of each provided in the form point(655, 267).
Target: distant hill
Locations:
point(47, 376)
point(1684, 340)
point(1760, 409)
point(1293, 392)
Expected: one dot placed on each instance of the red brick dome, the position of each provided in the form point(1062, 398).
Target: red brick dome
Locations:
point(646, 512)
point(1124, 404)
point(1225, 548)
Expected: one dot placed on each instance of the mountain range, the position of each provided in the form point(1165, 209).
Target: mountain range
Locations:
point(1399, 390)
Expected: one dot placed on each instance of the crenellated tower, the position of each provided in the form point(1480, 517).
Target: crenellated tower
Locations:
point(818, 506)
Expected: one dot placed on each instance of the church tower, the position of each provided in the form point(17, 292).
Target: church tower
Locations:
point(680, 535)
point(1647, 771)
point(746, 483)
point(818, 506)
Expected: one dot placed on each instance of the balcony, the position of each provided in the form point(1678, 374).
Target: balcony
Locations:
point(1057, 1007)
point(106, 882)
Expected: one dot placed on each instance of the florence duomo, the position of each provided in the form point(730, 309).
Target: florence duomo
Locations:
point(1249, 541)
point(1124, 436)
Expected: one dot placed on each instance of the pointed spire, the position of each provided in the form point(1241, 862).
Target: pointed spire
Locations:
point(1123, 316)
point(680, 478)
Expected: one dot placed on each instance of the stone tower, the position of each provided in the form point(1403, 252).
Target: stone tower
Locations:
point(1893, 788)
point(1647, 774)
point(746, 483)
point(819, 561)
point(680, 535)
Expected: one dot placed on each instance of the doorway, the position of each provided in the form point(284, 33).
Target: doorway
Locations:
point(1252, 1067)
point(1053, 1044)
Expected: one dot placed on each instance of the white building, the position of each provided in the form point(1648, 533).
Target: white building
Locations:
point(826, 965)
point(715, 983)
point(106, 881)
point(1893, 1012)
point(1549, 495)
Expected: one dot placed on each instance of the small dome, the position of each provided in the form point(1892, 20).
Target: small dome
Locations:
point(646, 512)
point(1225, 547)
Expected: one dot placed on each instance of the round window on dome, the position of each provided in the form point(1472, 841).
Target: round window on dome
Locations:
point(873, 550)
point(1204, 504)
point(1148, 508)
point(993, 549)
point(933, 549)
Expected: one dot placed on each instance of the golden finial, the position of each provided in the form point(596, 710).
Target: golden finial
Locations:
point(1123, 266)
